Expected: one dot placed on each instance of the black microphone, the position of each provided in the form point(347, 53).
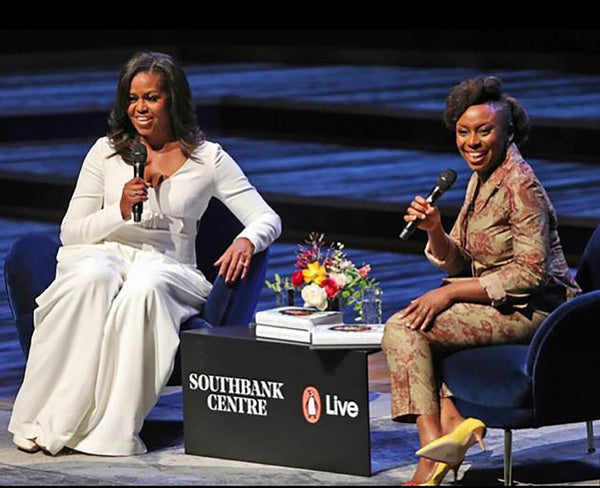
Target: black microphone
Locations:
point(139, 162)
point(444, 182)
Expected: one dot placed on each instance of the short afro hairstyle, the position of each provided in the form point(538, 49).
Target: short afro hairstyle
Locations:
point(482, 90)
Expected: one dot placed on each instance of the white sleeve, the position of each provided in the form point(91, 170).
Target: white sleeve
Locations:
point(87, 221)
point(262, 224)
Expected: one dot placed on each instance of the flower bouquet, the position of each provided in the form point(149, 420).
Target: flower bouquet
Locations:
point(326, 277)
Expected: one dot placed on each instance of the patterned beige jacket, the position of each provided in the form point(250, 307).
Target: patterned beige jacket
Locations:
point(507, 234)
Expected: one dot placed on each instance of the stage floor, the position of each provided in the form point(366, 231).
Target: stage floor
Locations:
point(549, 456)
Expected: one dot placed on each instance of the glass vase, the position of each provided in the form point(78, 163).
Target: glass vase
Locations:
point(286, 297)
point(333, 305)
point(371, 309)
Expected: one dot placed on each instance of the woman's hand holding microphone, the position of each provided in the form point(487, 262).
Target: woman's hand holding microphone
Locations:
point(134, 191)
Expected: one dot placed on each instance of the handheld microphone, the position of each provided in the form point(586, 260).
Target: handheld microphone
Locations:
point(139, 162)
point(444, 182)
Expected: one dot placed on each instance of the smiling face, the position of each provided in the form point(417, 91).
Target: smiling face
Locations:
point(482, 137)
point(148, 108)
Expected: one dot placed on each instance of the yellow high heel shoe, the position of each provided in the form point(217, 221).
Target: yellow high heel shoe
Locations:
point(452, 447)
point(441, 470)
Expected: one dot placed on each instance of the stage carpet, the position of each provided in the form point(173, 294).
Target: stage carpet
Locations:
point(547, 456)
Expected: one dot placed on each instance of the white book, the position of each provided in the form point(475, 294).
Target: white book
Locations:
point(344, 336)
point(298, 317)
point(283, 333)
point(348, 335)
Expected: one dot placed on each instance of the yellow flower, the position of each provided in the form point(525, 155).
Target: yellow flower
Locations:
point(315, 273)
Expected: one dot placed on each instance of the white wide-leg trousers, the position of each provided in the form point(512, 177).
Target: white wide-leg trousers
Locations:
point(106, 334)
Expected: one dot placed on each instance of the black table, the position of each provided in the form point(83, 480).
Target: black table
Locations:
point(259, 400)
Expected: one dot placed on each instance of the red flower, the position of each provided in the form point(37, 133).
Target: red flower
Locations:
point(330, 287)
point(297, 278)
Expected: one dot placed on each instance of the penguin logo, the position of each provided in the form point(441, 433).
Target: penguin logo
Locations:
point(311, 404)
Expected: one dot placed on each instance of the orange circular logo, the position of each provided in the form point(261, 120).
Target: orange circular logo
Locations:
point(311, 404)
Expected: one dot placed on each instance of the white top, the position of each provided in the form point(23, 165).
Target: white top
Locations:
point(171, 213)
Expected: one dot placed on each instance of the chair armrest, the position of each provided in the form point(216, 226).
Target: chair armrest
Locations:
point(588, 271)
point(562, 357)
point(235, 303)
point(29, 268)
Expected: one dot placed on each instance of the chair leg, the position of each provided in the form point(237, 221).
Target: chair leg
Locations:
point(507, 457)
point(590, 436)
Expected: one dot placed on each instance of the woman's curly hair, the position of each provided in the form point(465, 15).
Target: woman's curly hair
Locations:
point(182, 114)
point(482, 90)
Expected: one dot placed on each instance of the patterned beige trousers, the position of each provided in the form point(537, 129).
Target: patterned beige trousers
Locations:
point(412, 355)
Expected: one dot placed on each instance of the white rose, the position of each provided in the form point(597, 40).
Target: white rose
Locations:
point(314, 296)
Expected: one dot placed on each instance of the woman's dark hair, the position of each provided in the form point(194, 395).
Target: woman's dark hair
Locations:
point(482, 90)
point(184, 125)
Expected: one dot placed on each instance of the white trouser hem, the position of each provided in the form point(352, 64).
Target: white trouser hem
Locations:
point(109, 448)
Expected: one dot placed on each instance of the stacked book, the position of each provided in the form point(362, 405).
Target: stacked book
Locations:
point(316, 328)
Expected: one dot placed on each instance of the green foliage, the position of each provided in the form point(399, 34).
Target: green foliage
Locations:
point(278, 284)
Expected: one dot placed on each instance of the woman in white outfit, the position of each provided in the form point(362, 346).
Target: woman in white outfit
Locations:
point(107, 329)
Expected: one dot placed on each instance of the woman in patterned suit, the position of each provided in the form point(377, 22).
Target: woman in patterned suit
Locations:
point(505, 240)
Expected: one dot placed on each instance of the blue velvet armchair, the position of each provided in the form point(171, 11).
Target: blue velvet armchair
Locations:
point(30, 267)
point(546, 382)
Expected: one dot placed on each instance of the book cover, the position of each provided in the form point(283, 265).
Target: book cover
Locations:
point(347, 335)
point(298, 317)
point(283, 333)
